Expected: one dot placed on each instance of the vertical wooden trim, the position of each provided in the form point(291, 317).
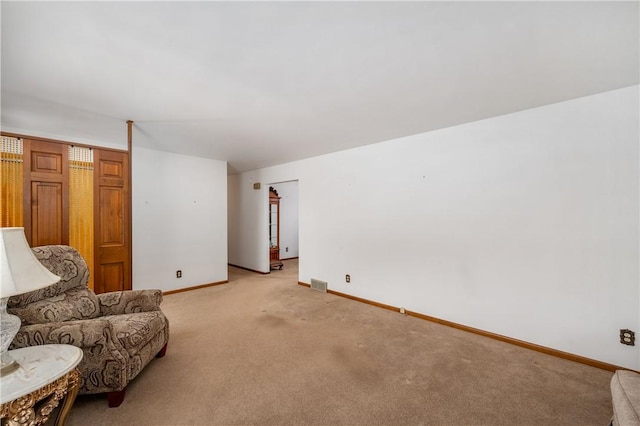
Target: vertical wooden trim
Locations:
point(26, 190)
point(130, 201)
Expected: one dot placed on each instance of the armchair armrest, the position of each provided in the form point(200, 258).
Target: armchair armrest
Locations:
point(80, 333)
point(128, 302)
point(104, 366)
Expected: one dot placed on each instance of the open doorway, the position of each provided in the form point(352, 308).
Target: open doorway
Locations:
point(283, 223)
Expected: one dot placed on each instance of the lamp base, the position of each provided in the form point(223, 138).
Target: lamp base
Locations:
point(8, 365)
point(9, 326)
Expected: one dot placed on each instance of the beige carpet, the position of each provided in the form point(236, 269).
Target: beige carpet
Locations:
point(263, 350)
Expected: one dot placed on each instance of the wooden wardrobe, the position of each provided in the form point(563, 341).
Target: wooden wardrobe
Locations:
point(46, 209)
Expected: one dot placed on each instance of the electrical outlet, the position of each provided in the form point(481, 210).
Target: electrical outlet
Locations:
point(286, 249)
point(627, 337)
point(178, 274)
point(347, 278)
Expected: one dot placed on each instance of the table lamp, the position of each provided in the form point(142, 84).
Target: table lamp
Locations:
point(20, 272)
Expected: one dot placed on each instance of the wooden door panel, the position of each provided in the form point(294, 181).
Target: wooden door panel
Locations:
point(46, 162)
point(113, 276)
point(111, 220)
point(111, 170)
point(112, 236)
point(47, 215)
point(46, 192)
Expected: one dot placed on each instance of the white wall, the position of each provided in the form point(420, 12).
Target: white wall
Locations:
point(179, 220)
point(248, 243)
point(34, 117)
point(288, 192)
point(524, 225)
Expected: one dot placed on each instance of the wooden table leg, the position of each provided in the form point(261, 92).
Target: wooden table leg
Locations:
point(70, 397)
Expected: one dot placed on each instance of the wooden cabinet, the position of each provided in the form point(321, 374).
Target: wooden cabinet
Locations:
point(274, 229)
point(47, 208)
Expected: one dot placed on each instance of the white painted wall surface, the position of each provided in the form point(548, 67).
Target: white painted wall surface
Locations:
point(288, 192)
point(179, 220)
point(525, 225)
point(248, 223)
point(28, 116)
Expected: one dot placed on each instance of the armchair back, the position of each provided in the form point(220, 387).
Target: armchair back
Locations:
point(67, 300)
point(64, 262)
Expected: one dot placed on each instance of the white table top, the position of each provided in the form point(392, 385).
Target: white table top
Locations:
point(39, 365)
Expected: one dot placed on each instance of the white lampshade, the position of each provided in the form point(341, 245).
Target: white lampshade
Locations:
point(20, 270)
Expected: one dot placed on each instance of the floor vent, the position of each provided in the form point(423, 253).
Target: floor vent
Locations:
point(318, 285)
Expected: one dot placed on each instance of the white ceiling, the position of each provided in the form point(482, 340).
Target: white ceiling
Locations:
point(264, 83)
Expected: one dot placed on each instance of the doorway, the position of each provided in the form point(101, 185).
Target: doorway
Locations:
point(283, 223)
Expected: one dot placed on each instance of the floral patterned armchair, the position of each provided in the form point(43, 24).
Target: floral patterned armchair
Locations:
point(118, 332)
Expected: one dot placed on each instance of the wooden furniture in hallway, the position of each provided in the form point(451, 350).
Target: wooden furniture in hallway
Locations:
point(274, 230)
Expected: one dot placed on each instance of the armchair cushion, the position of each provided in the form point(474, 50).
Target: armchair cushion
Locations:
point(134, 331)
point(75, 304)
point(78, 333)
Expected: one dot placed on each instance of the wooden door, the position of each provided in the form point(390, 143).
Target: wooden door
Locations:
point(112, 233)
point(46, 192)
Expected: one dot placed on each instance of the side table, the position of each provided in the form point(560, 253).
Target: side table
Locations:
point(47, 374)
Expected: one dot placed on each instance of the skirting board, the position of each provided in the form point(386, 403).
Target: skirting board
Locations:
point(248, 269)
point(180, 290)
point(521, 343)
